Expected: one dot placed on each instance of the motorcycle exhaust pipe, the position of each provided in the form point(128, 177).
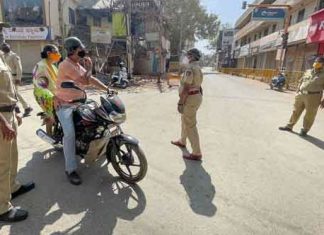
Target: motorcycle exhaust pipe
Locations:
point(45, 137)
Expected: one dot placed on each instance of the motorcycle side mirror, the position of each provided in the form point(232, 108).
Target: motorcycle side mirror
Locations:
point(69, 85)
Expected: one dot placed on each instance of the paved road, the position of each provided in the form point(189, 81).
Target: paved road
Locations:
point(253, 180)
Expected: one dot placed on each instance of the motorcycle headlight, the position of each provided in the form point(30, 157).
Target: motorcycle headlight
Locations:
point(117, 118)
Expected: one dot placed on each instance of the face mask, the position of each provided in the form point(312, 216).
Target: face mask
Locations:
point(82, 54)
point(55, 57)
point(317, 65)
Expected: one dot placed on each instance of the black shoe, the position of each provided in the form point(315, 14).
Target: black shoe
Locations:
point(15, 214)
point(285, 128)
point(25, 188)
point(74, 178)
point(303, 133)
point(28, 111)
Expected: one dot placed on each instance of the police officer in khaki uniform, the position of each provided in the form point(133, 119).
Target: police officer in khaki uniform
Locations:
point(14, 62)
point(309, 95)
point(9, 186)
point(190, 93)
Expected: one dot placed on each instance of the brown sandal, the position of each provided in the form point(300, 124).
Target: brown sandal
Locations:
point(178, 143)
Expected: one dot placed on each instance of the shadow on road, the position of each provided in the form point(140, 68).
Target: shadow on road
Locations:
point(315, 141)
point(210, 73)
point(276, 90)
point(92, 208)
point(199, 188)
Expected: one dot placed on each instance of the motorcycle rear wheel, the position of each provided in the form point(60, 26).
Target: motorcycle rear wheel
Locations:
point(123, 85)
point(123, 161)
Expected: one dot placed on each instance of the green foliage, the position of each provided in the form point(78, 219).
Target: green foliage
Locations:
point(189, 18)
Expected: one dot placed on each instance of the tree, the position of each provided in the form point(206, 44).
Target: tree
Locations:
point(189, 21)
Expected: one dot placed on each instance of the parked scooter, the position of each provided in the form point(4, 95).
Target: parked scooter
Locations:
point(120, 78)
point(98, 134)
point(278, 82)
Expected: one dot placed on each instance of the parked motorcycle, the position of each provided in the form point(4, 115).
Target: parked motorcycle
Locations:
point(278, 82)
point(98, 133)
point(120, 78)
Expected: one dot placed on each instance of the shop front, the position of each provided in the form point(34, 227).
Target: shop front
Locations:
point(28, 33)
point(316, 31)
point(27, 42)
point(299, 53)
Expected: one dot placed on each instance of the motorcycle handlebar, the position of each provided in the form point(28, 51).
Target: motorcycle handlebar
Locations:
point(112, 92)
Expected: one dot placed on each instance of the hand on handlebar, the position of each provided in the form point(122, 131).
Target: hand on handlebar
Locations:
point(112, 92)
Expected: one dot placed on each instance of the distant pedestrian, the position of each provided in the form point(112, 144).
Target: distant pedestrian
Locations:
point(190, 93)
point(14, 62)
point(308, 97)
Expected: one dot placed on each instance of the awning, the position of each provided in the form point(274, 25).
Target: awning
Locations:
point(316, 28)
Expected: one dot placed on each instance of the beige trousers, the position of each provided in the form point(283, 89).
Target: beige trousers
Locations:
point(189, 123)
point(310, 103)
point(8, 167)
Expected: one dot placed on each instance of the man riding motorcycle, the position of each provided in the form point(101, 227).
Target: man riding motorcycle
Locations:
point(71, 70)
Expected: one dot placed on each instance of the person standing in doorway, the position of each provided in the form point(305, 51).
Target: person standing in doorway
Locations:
point(190, 93)
point(14, 62)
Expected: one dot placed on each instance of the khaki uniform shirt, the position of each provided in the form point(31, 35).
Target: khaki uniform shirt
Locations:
point(312, 81)
point(13, 61)
point(192, 76)
point(7, 89)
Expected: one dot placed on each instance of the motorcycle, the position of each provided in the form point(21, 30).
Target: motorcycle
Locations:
point(98, 133)
point(120, 78)
point(278, 82)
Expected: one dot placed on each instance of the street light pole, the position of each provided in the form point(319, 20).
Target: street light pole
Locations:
point(180, 39)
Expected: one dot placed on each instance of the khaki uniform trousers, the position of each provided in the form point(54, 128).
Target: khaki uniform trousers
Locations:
point(8, 167)
point(309, 102)
point(189, 122)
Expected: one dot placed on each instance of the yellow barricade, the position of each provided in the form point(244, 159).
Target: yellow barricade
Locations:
point(265, 75)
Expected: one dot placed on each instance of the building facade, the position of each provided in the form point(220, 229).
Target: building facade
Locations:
point(257, 44)
point(35, 23)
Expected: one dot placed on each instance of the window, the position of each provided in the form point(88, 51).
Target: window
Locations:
point(71, 16)
point(24, 13)
point(81, 19)
point(96, 21)
point(228, 34)
point(301, 15)
point(321, 4)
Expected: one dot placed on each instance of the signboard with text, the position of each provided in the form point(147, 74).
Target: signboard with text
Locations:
point(316, 28)
point(26, 33)
point(100, 35)
point(268, 14)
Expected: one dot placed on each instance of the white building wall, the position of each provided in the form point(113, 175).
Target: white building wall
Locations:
point(52, 12)
point(309, 10)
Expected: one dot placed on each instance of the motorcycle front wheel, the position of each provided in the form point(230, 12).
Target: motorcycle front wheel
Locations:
point(129, 162)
